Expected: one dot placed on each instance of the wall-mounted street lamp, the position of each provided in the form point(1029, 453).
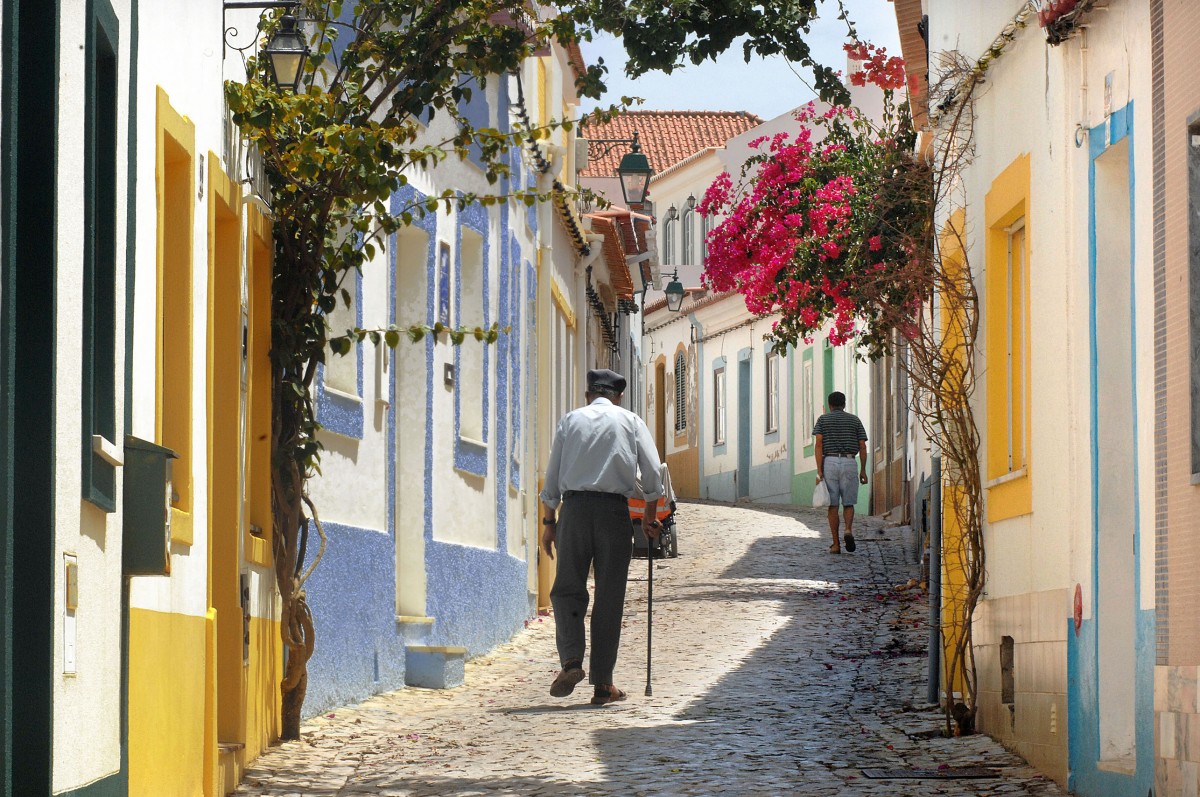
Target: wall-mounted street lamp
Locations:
point(675, 293)
point(635, 174)
point(287, 49)
point(634, 170)
point(691, 201)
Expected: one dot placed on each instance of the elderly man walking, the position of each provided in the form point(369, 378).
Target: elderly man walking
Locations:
point(593, 471)
point(840, 436)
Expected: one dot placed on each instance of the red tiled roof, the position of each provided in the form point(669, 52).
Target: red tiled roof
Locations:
point(667, 137)
point(620, 240)
point(575, 57)
point(912, 47)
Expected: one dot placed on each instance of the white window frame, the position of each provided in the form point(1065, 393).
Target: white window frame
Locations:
point(1016, 361)
point(688, 230)
point(772, 392)
point(668, 242)
point(808, 402)
point(719, 428)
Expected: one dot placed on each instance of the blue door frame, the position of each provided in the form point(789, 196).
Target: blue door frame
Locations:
point(1088, 774)
point(744, 405)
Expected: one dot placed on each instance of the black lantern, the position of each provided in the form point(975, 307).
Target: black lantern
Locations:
point(286, 53)
point(635, 173)
point(675, 293)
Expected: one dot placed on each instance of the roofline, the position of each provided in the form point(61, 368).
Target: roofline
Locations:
point(690, 159)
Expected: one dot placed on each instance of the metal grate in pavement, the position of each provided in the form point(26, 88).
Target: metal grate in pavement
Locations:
point(946, 773)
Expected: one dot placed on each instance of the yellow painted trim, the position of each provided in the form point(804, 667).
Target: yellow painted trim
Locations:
point(221, 186)
point(173, 388)
point(566, 172)
point(1005, 203)
point(181, 527)
point(564, 306)
point(449, 649)
point(259, 224)
point(259, 265)
point(414, 619)
point(256, 550)
point(210, 704)
point(954, 590)
point(543, 94)
point(225, 462)
point(264, 672)
point(167, 697)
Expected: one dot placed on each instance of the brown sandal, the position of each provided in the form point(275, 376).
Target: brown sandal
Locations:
point(564, 682)
point(607, 693)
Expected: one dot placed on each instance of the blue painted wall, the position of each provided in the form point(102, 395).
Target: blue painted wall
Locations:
point(478, 598)
point(360, 650)
point(1083, 706)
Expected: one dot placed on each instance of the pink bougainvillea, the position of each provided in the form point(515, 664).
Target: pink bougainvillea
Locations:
point(820, 228)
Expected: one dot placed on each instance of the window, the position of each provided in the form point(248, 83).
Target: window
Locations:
point(1194, 286)
point(706, 227)
point(341, 371)
point(1015, 364)
point(689, 237)
point(680, 393)
point(1006, 340)
point(719, 407)
point(772, 392)
point(668, 242)
point(470, 377)
point(99, 329)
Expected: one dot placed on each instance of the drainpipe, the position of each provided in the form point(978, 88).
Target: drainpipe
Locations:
point(935, 581)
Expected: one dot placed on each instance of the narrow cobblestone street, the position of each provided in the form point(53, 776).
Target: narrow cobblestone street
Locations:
point(779, 669)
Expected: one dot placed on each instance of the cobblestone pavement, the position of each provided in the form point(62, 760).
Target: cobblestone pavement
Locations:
point(778, 669)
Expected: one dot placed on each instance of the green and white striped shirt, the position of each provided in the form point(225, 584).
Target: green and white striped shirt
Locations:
point(840, 432)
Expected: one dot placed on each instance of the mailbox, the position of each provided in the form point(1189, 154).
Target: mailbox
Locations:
point(147, 509)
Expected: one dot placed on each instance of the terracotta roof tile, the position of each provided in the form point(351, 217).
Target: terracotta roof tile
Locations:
point(575, 57)
point(912, 48)
point(667, 137)
point(624, 234)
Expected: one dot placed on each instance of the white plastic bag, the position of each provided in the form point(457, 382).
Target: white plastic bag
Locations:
point(820, 494)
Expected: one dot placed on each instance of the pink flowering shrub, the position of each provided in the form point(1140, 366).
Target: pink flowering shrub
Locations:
point(829, 225)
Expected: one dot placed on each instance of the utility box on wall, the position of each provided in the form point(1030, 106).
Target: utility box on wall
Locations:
point(147, 509)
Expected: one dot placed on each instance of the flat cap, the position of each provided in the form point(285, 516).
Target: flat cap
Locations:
point(602, 380)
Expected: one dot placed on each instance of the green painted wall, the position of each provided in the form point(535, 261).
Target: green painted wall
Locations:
point(28, 269)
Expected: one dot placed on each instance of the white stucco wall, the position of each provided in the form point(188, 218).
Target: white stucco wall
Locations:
point(1035, 89)
point(87, 699)
point(191, 76)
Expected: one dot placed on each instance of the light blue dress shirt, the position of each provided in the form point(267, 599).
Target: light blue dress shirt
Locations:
point(599, 448)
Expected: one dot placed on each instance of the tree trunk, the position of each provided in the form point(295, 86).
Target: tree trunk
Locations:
point(291, 529)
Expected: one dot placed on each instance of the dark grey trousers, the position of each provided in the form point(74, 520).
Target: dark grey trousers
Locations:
point(593, 529)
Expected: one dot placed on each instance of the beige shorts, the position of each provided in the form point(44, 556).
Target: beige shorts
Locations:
point(841, 479)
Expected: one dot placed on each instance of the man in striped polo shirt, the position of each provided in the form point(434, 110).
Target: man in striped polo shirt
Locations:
point(840, 436)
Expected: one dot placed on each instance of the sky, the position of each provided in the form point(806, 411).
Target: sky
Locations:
point(766, 86)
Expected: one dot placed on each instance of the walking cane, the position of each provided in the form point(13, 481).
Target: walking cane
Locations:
point(649, 608)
